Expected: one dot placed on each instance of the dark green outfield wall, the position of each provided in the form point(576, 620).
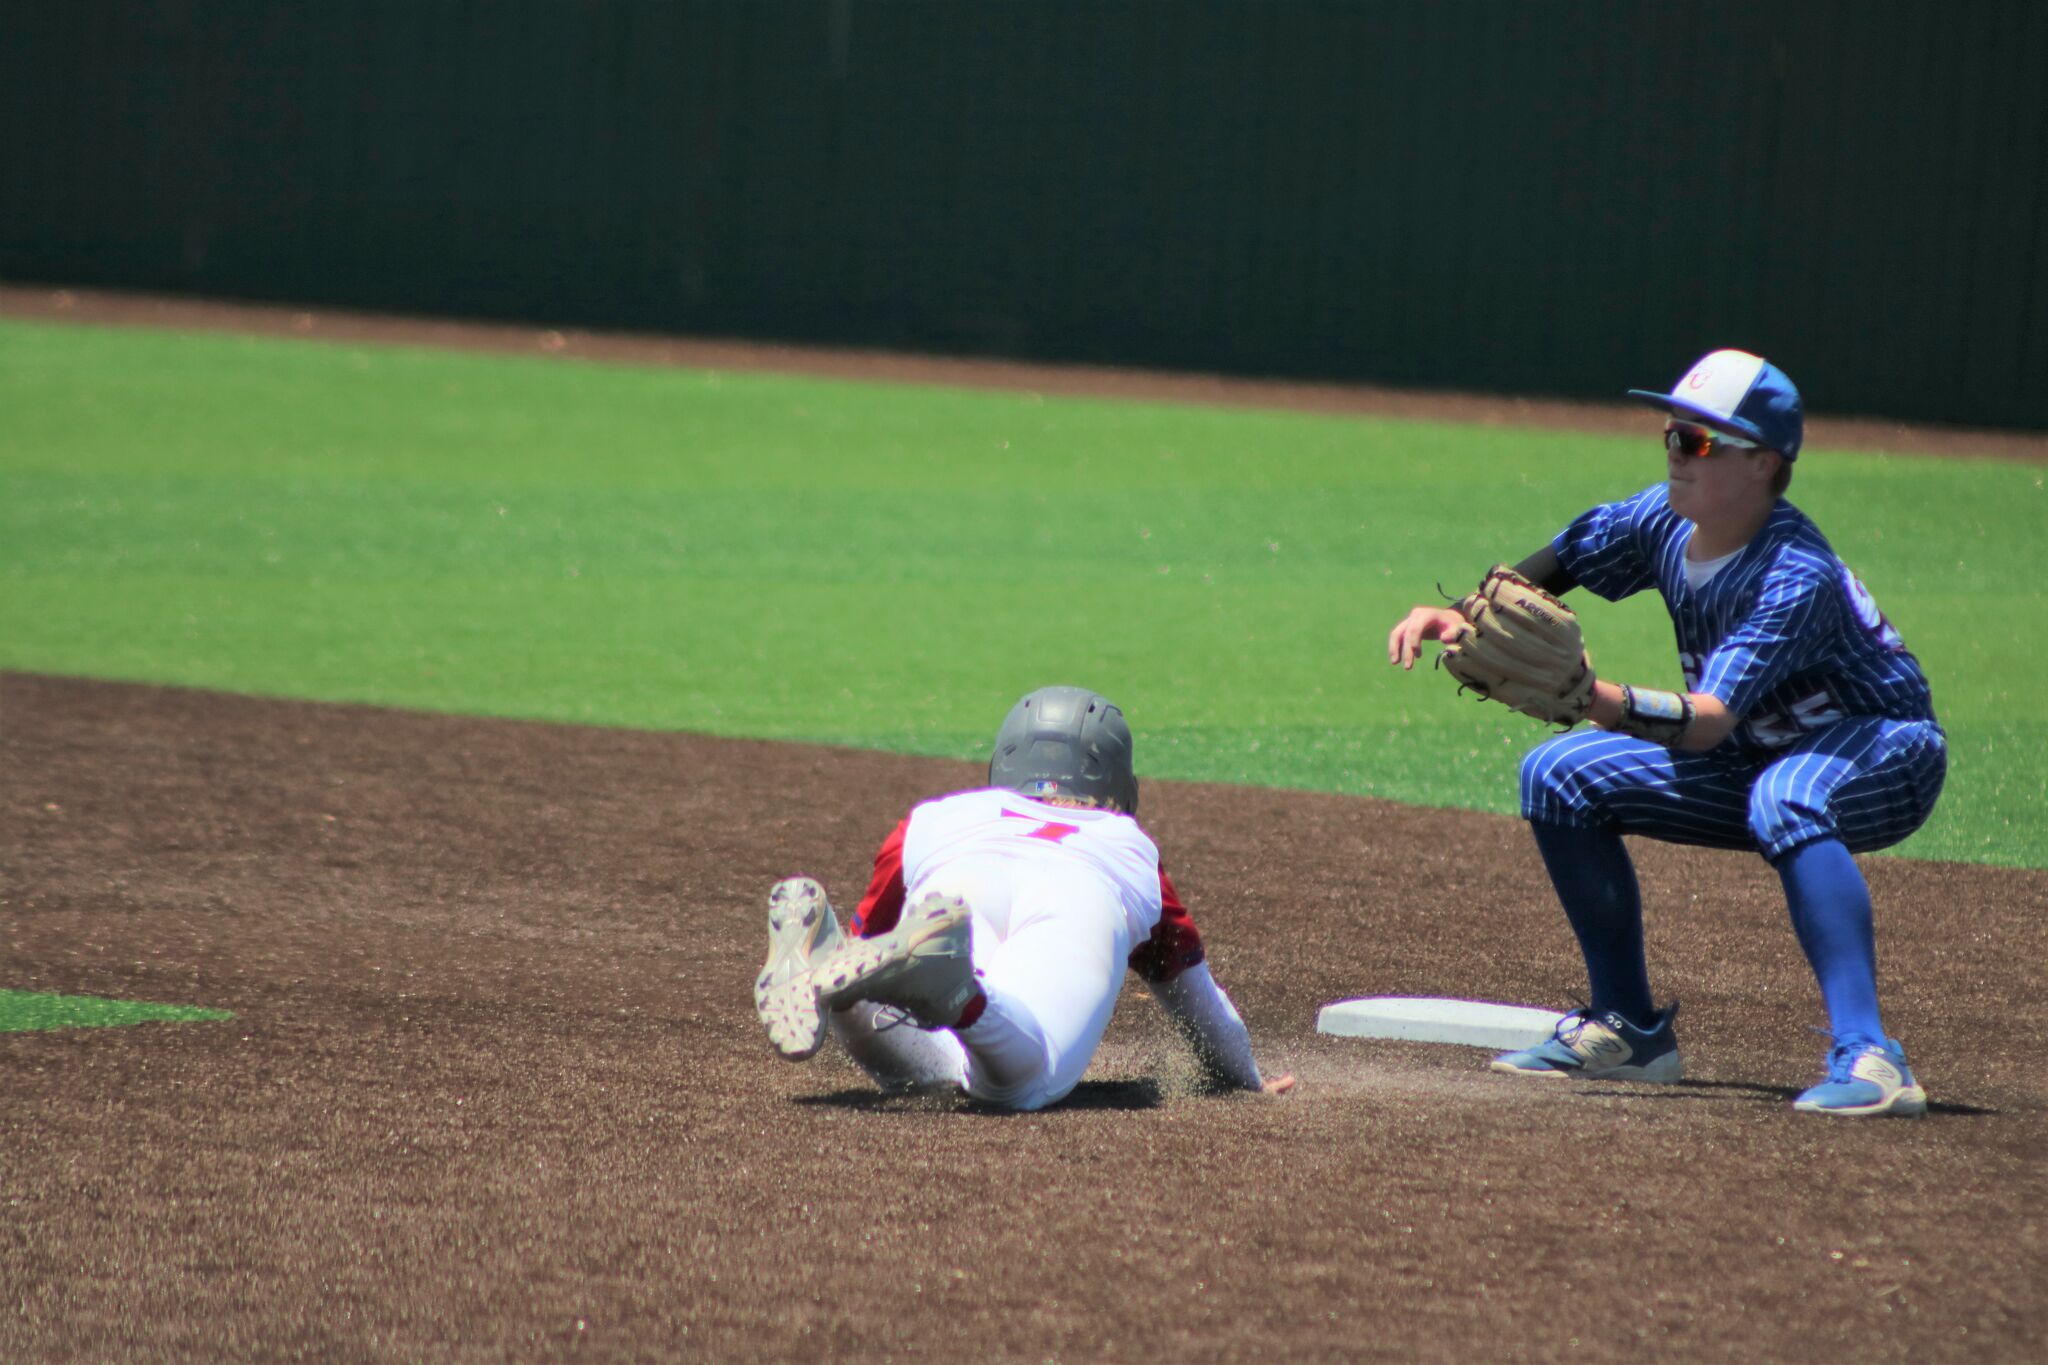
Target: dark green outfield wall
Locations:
point(1513, 194)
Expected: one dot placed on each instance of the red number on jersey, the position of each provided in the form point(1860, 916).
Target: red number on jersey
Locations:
point(1052, 831)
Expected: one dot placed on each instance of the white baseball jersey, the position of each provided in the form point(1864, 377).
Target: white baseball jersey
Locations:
point(995, 823)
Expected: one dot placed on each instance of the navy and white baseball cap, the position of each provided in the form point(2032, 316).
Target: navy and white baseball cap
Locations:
point(1739, 393)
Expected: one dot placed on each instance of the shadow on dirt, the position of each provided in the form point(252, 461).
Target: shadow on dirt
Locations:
point(1759, 1093)
point(1128, 1096)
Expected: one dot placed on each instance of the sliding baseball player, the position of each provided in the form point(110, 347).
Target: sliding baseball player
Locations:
point(990, 948)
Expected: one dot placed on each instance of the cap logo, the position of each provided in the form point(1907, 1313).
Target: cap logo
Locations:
point(1722, 380)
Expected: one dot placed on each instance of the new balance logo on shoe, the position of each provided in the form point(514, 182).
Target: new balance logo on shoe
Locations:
point(1866, 1080)
point(1601, 1047)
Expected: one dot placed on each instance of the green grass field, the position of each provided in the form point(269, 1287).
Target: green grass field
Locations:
point(890, 567)
point(33, 1011)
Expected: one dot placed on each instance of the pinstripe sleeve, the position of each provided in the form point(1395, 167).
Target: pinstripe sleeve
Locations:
point(1604, 549)
point(1788, 630)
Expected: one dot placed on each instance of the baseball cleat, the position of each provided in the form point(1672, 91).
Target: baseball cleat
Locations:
point(1866, 1080)
point(801, 927)
point(1601, 1047)
point(924, 966)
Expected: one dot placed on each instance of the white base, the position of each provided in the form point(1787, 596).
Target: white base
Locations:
point(1427, 1019)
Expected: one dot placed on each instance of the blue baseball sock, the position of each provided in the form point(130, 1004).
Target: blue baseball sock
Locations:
point(1596, 883)
point(1830, 904)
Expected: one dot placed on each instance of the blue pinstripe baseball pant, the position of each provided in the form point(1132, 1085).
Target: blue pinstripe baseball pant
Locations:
point(1868, 781)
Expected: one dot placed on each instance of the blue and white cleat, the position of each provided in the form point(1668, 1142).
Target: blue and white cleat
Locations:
point(1866, 1080)
point(1603, 1047)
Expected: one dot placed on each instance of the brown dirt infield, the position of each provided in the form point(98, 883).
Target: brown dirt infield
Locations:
point(495, 1091)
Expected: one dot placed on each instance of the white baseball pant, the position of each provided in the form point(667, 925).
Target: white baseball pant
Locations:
point(1051, 944)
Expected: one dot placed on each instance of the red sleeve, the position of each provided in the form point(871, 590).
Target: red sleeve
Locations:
point(1175, 945)
point(883, 903)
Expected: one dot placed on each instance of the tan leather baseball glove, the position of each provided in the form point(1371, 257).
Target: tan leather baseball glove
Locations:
point(1522, 648)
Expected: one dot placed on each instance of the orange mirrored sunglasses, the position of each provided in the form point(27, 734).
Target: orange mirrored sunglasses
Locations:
point(1700, 442)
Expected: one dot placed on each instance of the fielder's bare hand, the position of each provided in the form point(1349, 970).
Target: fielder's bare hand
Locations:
point(1277, 1085)
point(1422, 623)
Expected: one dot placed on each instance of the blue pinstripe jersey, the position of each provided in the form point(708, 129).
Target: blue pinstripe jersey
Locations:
point(1784, 635)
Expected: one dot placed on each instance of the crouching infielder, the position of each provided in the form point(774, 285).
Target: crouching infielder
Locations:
point(990, 948)
point(1805, 732)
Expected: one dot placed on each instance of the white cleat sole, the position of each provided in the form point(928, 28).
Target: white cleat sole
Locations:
point(1908, 1103)
point(793, 1010)
point(922, 932)
point(790, 1013)
point(801, 925)
point(1666, 1070)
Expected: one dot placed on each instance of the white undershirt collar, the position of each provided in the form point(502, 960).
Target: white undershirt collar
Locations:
point(1698, 573)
